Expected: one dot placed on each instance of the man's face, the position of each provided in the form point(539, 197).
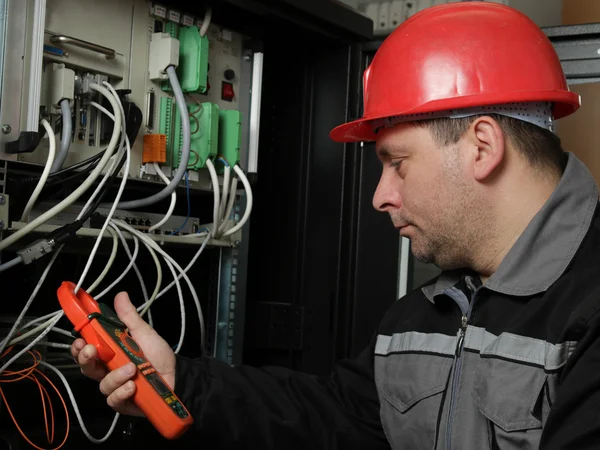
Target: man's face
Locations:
point(424, 189)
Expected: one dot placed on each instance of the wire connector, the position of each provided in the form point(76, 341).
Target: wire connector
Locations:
point(66, 232)
point(164, 52)
point(62, 85)
point(36, 250)
point(43, 247)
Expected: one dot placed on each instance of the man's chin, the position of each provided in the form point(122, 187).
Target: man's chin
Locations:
point(420, 255)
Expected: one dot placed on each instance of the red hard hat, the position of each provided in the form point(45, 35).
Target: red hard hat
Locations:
point(460, 55)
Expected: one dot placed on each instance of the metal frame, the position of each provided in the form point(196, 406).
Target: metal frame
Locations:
point(13, 80)
point(578, 47)
point(35, 65)
point(256, 90)
point(231, 298)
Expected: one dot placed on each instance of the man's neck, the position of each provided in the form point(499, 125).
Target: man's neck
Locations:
point(516, 207)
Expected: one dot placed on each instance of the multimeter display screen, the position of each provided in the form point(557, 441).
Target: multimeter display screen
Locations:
point(158, 384)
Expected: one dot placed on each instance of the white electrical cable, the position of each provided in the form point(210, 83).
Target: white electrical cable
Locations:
point(249, 201)
point(10, 264)
point(119, 193)
point(111, 260)
point(232, 195)
point(63, 332)
point(130, 256)
point(76, 407)
point(135, 268)
point(32, 343)
point(41, 319)
point(45, 173)
point(206, 22)
point(102, 109)
point(159, 273)
point(67, 134)
point(15, 326)
point(55, 345)
point(169, 213)
point(216, 194)
point(146, 306)
point(181, 308)
point(148, 303)
point(115, 162)
point(124, 272)
point(24, 336)
point(170, 264)
point(190, 264)
point(224, 194)
point(112, 167)
point(185, 148)
point(89, 181)
point(176, 278)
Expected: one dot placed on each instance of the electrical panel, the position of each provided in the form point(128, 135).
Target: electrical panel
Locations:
point(131, 37)
point(125, 146)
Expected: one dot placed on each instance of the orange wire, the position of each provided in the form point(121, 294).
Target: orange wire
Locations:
point(42, 392)
point(62, 400)
point(51, 416)
point(28, 373)
point(51, 436)
point(47, 396)
point(6, 351)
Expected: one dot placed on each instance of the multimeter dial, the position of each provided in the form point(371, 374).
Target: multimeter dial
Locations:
point(131, 345)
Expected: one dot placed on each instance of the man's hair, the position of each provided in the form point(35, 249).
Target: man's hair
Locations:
point(540, 147)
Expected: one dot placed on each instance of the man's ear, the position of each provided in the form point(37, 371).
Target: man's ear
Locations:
point(488, 147)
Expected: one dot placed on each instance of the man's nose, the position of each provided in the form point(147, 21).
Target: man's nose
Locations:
point(387, 196)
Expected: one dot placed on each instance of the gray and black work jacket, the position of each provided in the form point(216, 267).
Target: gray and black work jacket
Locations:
point(511, 364)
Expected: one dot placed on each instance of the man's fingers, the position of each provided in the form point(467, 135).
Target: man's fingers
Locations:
point(76, 347)
point(129, 315)
point(90, 367)
point(117, 378)
point(120, 399)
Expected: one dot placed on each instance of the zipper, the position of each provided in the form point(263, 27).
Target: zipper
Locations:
point(461, 335)
point(464, 322)
point(456, 376)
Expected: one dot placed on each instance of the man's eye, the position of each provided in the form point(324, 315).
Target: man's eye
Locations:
point(396, 164)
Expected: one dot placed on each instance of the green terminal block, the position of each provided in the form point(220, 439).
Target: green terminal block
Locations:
point(204, 128)
point(230, 137)
point(166, 125)
point(172, 29)
point(192, 70)
point(193, 60)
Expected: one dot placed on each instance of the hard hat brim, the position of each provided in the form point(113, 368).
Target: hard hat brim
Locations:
point(361, 130)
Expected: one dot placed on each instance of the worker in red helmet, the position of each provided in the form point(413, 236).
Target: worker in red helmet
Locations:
point(502, 350)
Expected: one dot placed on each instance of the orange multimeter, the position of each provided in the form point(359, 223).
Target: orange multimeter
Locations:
point(99, 325)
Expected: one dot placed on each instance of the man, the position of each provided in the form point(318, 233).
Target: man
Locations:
point(502, 350)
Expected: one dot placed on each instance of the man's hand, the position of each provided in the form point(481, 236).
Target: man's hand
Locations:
point(116, 385)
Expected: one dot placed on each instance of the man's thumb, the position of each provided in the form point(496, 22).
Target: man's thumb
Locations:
point(129, 315)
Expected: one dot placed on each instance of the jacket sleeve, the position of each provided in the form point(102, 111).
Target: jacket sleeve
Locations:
point(574, 418)
point(277, 408)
